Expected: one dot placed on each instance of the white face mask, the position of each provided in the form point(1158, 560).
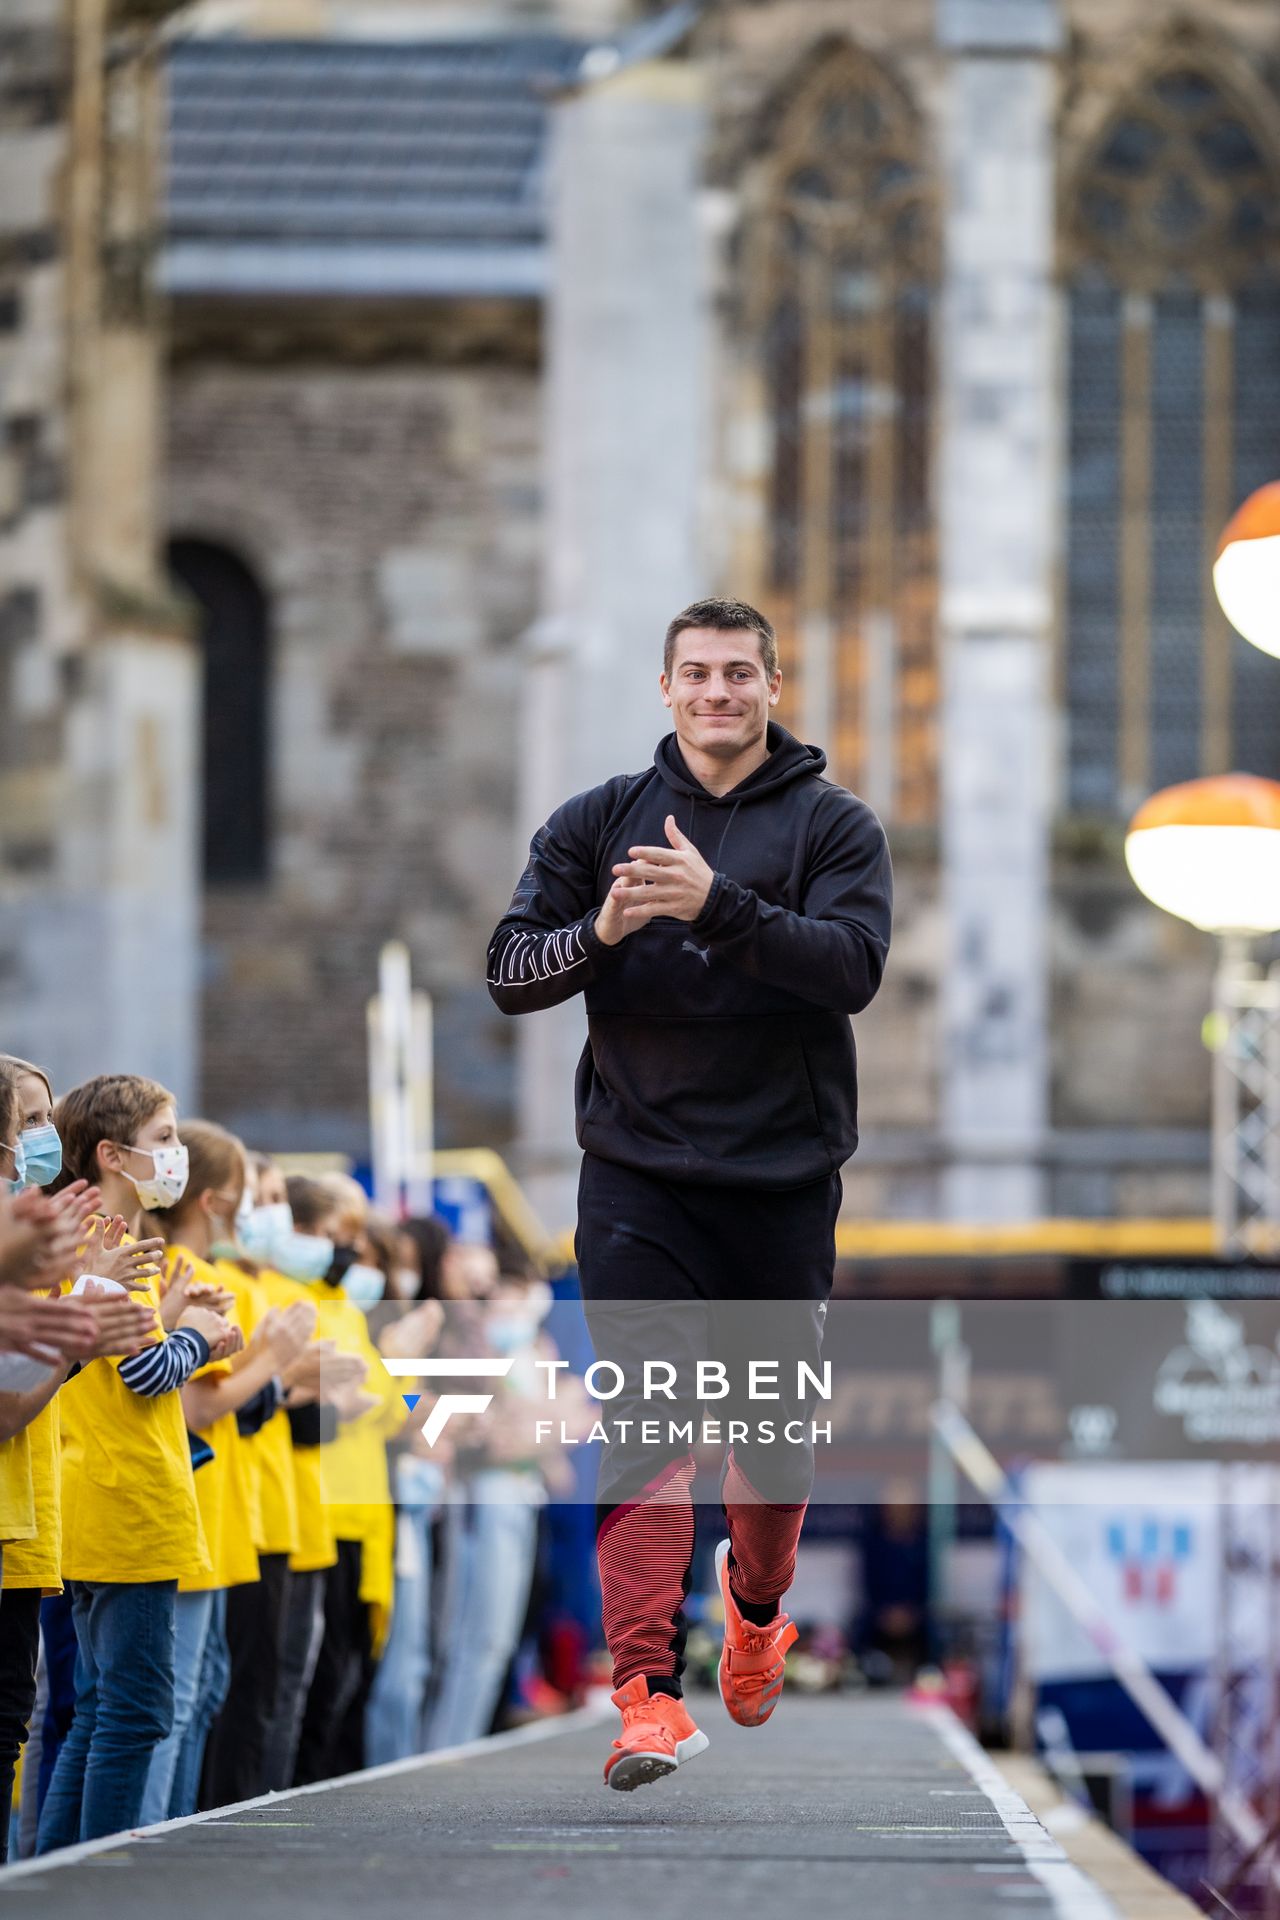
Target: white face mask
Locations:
point(168, 1182)
point(405, 1283)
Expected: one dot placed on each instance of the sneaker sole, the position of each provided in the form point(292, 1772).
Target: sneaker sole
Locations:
point(632, 1770)
point(730, 1704)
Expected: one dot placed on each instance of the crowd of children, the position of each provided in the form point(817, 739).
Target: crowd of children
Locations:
point(217, 1521)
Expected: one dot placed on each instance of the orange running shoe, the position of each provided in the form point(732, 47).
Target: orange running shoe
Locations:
point(753, 1663)
point(657, 1737)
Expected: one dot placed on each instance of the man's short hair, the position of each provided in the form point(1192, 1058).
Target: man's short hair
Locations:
point(725, 616)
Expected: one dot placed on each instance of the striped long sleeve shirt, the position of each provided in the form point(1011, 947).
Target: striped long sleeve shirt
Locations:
point(168, 1364)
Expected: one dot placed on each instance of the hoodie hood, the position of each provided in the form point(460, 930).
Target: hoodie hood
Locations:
point(789, 759)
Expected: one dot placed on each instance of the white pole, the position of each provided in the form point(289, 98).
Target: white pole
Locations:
point(378, 1100)
point(391, 1039)
point(420, 1188)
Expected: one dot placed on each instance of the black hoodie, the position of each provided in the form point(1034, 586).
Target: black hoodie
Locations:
point(718, 1052)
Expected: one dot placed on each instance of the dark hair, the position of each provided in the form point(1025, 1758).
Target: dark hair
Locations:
point(725, 616)
point(431, 1237)
point(310, 1201)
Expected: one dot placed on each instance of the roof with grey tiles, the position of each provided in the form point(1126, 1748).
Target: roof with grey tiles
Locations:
point(332, 167)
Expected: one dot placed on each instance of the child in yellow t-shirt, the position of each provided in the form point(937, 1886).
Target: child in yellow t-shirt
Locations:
point(59, 1245)
point(130, 1524)
point(324, 1386)
point(224, 1403)
point(356, 1487)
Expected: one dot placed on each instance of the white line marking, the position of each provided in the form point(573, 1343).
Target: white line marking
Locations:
point(589, 1715)
point(1074, 1895)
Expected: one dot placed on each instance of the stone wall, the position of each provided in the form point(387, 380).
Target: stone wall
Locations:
point(40, 619)
point(97, 685)
point(391, 514)
point(390, 499)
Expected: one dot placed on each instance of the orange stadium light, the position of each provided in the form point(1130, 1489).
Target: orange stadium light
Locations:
point(1246, 573)
point(1209, 852)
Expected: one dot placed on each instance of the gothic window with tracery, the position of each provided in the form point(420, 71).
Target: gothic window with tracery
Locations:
point(841, 280)
point(1172, 263)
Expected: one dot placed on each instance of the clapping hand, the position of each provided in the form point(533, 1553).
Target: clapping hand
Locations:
point(184, 1290)
point(286, 1330)
point(223, 1336)
point(108, 1256)
point(413, 1333)
point(123, 1326)
point(47, 1330)
point(38, 1236)
point(670, 882)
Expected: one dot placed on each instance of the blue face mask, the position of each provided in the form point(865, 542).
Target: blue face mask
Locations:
point(263, 1230)
point(304, 1256)
point(42, 1155)
point(364, 1286)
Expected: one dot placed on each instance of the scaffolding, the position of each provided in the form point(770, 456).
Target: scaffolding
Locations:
point(1245, 1036)
point(1246, 1694)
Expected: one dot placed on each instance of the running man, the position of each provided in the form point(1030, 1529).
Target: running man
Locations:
point(724, 912)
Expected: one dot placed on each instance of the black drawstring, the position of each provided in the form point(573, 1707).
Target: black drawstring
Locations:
point(725, 835)
point(693, 817)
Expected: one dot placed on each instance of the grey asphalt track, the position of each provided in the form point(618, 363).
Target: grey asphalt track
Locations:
point(839, 1807)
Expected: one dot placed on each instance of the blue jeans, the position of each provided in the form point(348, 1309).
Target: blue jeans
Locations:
point(124, 1708)
point(191, 1629)
point(492, 1544)
point(393, 1719)
point(58, 1643)
point(211, 1691)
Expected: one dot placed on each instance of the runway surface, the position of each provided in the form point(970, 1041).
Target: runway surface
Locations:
point(839, 1807)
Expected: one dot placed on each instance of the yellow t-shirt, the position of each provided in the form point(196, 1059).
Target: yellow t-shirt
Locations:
point(34, 1558)
point(355, 1475)
point(17, 1495)
point(315, 1548)
point(37, 1562)
point(270, 1449)
point(224, 1488)
point(129, 1509)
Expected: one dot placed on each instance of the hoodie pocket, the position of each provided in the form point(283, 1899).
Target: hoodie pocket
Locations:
point(736, 1091)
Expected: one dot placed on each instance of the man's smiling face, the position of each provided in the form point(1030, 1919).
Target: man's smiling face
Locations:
point(718, 692)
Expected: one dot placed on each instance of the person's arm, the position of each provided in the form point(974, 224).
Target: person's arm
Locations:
point(255, 1413)
point(314, 1424)
point(833, 952)
point(545, 948)
point(168, 1364)
point(20, 1376)
point(19, 1407)
point(213, 1394)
